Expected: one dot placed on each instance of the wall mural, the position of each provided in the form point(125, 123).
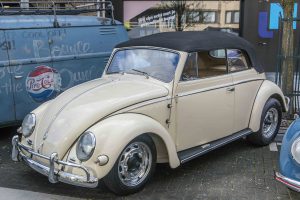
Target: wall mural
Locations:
point(269, 21)
point(43, 83)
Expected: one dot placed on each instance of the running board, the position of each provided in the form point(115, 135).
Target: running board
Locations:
point(189, 154)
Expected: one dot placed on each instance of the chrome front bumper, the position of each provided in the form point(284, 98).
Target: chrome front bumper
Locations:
point(53, 174)
point(294, 185)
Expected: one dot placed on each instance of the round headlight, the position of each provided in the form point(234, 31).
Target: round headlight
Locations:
point(296, 150)
point(85, 146)
point(28, 125)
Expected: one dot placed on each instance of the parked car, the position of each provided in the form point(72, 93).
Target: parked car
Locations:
point(39, 59)
point(164, 98)
point(289, 162)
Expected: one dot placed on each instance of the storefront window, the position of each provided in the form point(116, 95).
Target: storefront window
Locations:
point(209, 17)
point(232, 17)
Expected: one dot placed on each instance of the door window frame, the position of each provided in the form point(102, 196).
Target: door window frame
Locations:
point(248, 61)
point(244, 53)
point(227, 67)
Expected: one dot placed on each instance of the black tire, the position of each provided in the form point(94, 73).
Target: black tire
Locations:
point(113, 181)
point(259, 138)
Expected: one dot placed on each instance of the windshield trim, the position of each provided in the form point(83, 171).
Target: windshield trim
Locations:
point(143, 47)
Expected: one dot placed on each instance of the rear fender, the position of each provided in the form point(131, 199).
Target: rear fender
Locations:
point(267, 90)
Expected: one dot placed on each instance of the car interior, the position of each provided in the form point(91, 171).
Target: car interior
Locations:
point(207, 64)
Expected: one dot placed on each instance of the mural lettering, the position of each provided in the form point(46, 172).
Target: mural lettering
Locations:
point(40, 49)
point(75, 78)
point(6, 85)
point(61, 33)
point(7, 45)
point(65, 49)
point(32, 35)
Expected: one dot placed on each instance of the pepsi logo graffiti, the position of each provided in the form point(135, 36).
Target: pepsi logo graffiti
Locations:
point(43, 83)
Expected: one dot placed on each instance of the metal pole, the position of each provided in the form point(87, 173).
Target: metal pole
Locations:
point(103, 7)
point(98, 7)
point(24, 3)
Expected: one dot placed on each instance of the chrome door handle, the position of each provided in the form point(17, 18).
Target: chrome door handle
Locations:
point(18, 77)
point(230, 89)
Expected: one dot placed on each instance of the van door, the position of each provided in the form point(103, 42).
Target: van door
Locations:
point(7, 109)
point(79, 53)
point(33, 77)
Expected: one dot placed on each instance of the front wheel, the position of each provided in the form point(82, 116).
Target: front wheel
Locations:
point(134, 167)
point(270, 124)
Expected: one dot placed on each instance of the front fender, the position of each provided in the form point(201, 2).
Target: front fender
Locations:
point(268, 89)
point(288, 166)
point(114, 133)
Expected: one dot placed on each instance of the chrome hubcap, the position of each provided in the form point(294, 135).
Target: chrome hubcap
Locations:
point(134, 164)
point(270, 122)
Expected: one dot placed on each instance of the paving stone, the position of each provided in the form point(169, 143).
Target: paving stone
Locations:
point(238, 171)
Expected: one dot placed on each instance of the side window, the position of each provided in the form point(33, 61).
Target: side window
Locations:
point(190, 71)
point(204, 65)
point(237, 60)
point(212, 63)
point(218, 53)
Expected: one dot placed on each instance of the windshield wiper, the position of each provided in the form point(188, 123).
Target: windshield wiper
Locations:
point(144, 73)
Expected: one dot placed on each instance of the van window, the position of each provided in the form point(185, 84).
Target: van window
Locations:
point(237, 60)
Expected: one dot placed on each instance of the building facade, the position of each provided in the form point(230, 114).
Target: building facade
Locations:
point(199, 15)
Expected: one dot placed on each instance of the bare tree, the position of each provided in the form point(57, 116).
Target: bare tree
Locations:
point(288, 49)
point(184, 16)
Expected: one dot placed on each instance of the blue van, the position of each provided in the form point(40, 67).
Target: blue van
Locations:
point(43, 55)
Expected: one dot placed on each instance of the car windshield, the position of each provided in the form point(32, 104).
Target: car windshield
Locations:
point(158, 64)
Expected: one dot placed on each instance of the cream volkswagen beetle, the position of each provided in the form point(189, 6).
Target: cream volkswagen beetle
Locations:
point(168, 97)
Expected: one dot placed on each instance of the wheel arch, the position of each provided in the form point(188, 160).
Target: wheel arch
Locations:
point(115, 132)
point(267, 90)
point(281, 101)
point(161, 148)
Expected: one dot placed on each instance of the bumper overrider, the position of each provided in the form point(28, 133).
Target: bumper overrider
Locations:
point(292, 184)
point(53, 174)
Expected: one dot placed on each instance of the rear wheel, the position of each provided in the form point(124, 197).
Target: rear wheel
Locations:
point(270, 124)
point(134, 167)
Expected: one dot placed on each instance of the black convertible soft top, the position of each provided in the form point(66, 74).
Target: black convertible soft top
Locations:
point(196, 41)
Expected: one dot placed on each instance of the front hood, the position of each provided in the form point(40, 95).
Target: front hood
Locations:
point(78, 108)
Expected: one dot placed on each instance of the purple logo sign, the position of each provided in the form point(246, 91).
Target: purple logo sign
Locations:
point(43, 83)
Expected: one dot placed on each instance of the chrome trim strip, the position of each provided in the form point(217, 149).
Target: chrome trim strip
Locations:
point(204, 90)
point(53, 175)
point(249, 80)
point(293, 184)
point(15, 152)
point(142, 104)
point(212, 146)
point(217, 87)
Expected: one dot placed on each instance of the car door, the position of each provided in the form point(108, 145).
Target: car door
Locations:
point(31, 64)
point(205, 100)
point(7, 108)
point(246, 82)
